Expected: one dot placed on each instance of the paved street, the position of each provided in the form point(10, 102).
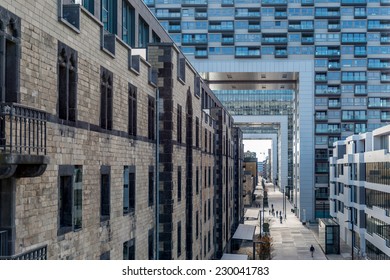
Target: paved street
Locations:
point(291, 239)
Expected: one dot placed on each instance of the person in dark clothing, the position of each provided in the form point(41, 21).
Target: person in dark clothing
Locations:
point(312, 250)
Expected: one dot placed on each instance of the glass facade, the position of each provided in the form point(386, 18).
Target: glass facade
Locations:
point(349, 41)
point(378, 172)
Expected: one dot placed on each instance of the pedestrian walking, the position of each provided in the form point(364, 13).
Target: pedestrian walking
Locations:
point(281, 219)
point(312, 250)
point(277, 213)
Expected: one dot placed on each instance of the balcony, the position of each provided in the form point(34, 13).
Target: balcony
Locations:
point(307, 2)
point(175, 28)
point(281, 53)
point(281, 14)
point(227, 3)
point(333, 104)
point(22, 141)
point(194, 3)
point(385, 77)
point(327, 13)
point(378, 103)
point(352, 77)
point(201, 15)
point(294, 26)
point(247, 14)
point(227, 40)
point(247, 52)
point(307, 39)
point(385, 39)
point(334, 27)
point(274, 39)
point(334, 65)
point(378, 25)
point(221, 26)
point(353, 2)
point(321, 77)
point(353, 38)
point(327, 52)
point(328, 90)
point(378, 64)
point(271, 3)
point(254, 27)
point(149, 3)
point(201, 53)
point(39, 253)
point(163, 14)
point(385, 116)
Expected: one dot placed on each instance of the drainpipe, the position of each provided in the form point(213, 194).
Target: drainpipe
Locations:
point(157, 206)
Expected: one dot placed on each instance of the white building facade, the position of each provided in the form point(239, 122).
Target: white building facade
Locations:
point(360, 194)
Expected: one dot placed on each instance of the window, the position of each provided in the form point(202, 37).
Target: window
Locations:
point(197, 132)
point(128, 189)
point(151, 117)
point(197, 225)
point(67, 82)
point(104, 193)
point(143, 33)
point(151, 244)
point(108, 15)
point(9, 56)
point(209, 177)
point(179, 183)
point(179, 124)
point(106, 96)
point(128, 23)
point(151, 185)
point(209, 241)
point(70, 198)
point(205, 212)
point(178, 239)
point(132, 110)
point(129, 250)
point(197, 180)
point(209, 209)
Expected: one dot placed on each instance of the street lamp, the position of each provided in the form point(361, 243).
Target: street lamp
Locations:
point(353, 232)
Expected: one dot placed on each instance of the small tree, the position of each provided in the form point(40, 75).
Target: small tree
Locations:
point(264, 247)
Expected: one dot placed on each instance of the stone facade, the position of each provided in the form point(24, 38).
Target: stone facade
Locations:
point(97, 157)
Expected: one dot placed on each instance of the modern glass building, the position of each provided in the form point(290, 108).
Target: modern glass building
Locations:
point(336, 51)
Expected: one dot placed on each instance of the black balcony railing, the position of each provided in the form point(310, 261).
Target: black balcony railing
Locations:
point(3, 242)
point(22, 130)
point(39, 253)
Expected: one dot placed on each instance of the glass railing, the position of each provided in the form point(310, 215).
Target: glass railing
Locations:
point(307, 2)
point(275, 40)
point(307, 40)
point(327, 14)
point(227, 2)
point(378, 65)
point(149, 2)
point(199, 15)
point(247, 14)
point(168, 15)
point(194, 2)
point(280, 14)
point(353, 2)
point(274, 2)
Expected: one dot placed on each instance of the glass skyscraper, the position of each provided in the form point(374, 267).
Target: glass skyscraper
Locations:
point(346, 44)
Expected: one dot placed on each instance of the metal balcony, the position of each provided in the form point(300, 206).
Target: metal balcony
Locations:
point(39, 253)
point(22, 141)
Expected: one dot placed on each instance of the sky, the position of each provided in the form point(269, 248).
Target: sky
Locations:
point(259, 146)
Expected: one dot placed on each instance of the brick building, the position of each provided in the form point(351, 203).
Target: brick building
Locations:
point(87, 92)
